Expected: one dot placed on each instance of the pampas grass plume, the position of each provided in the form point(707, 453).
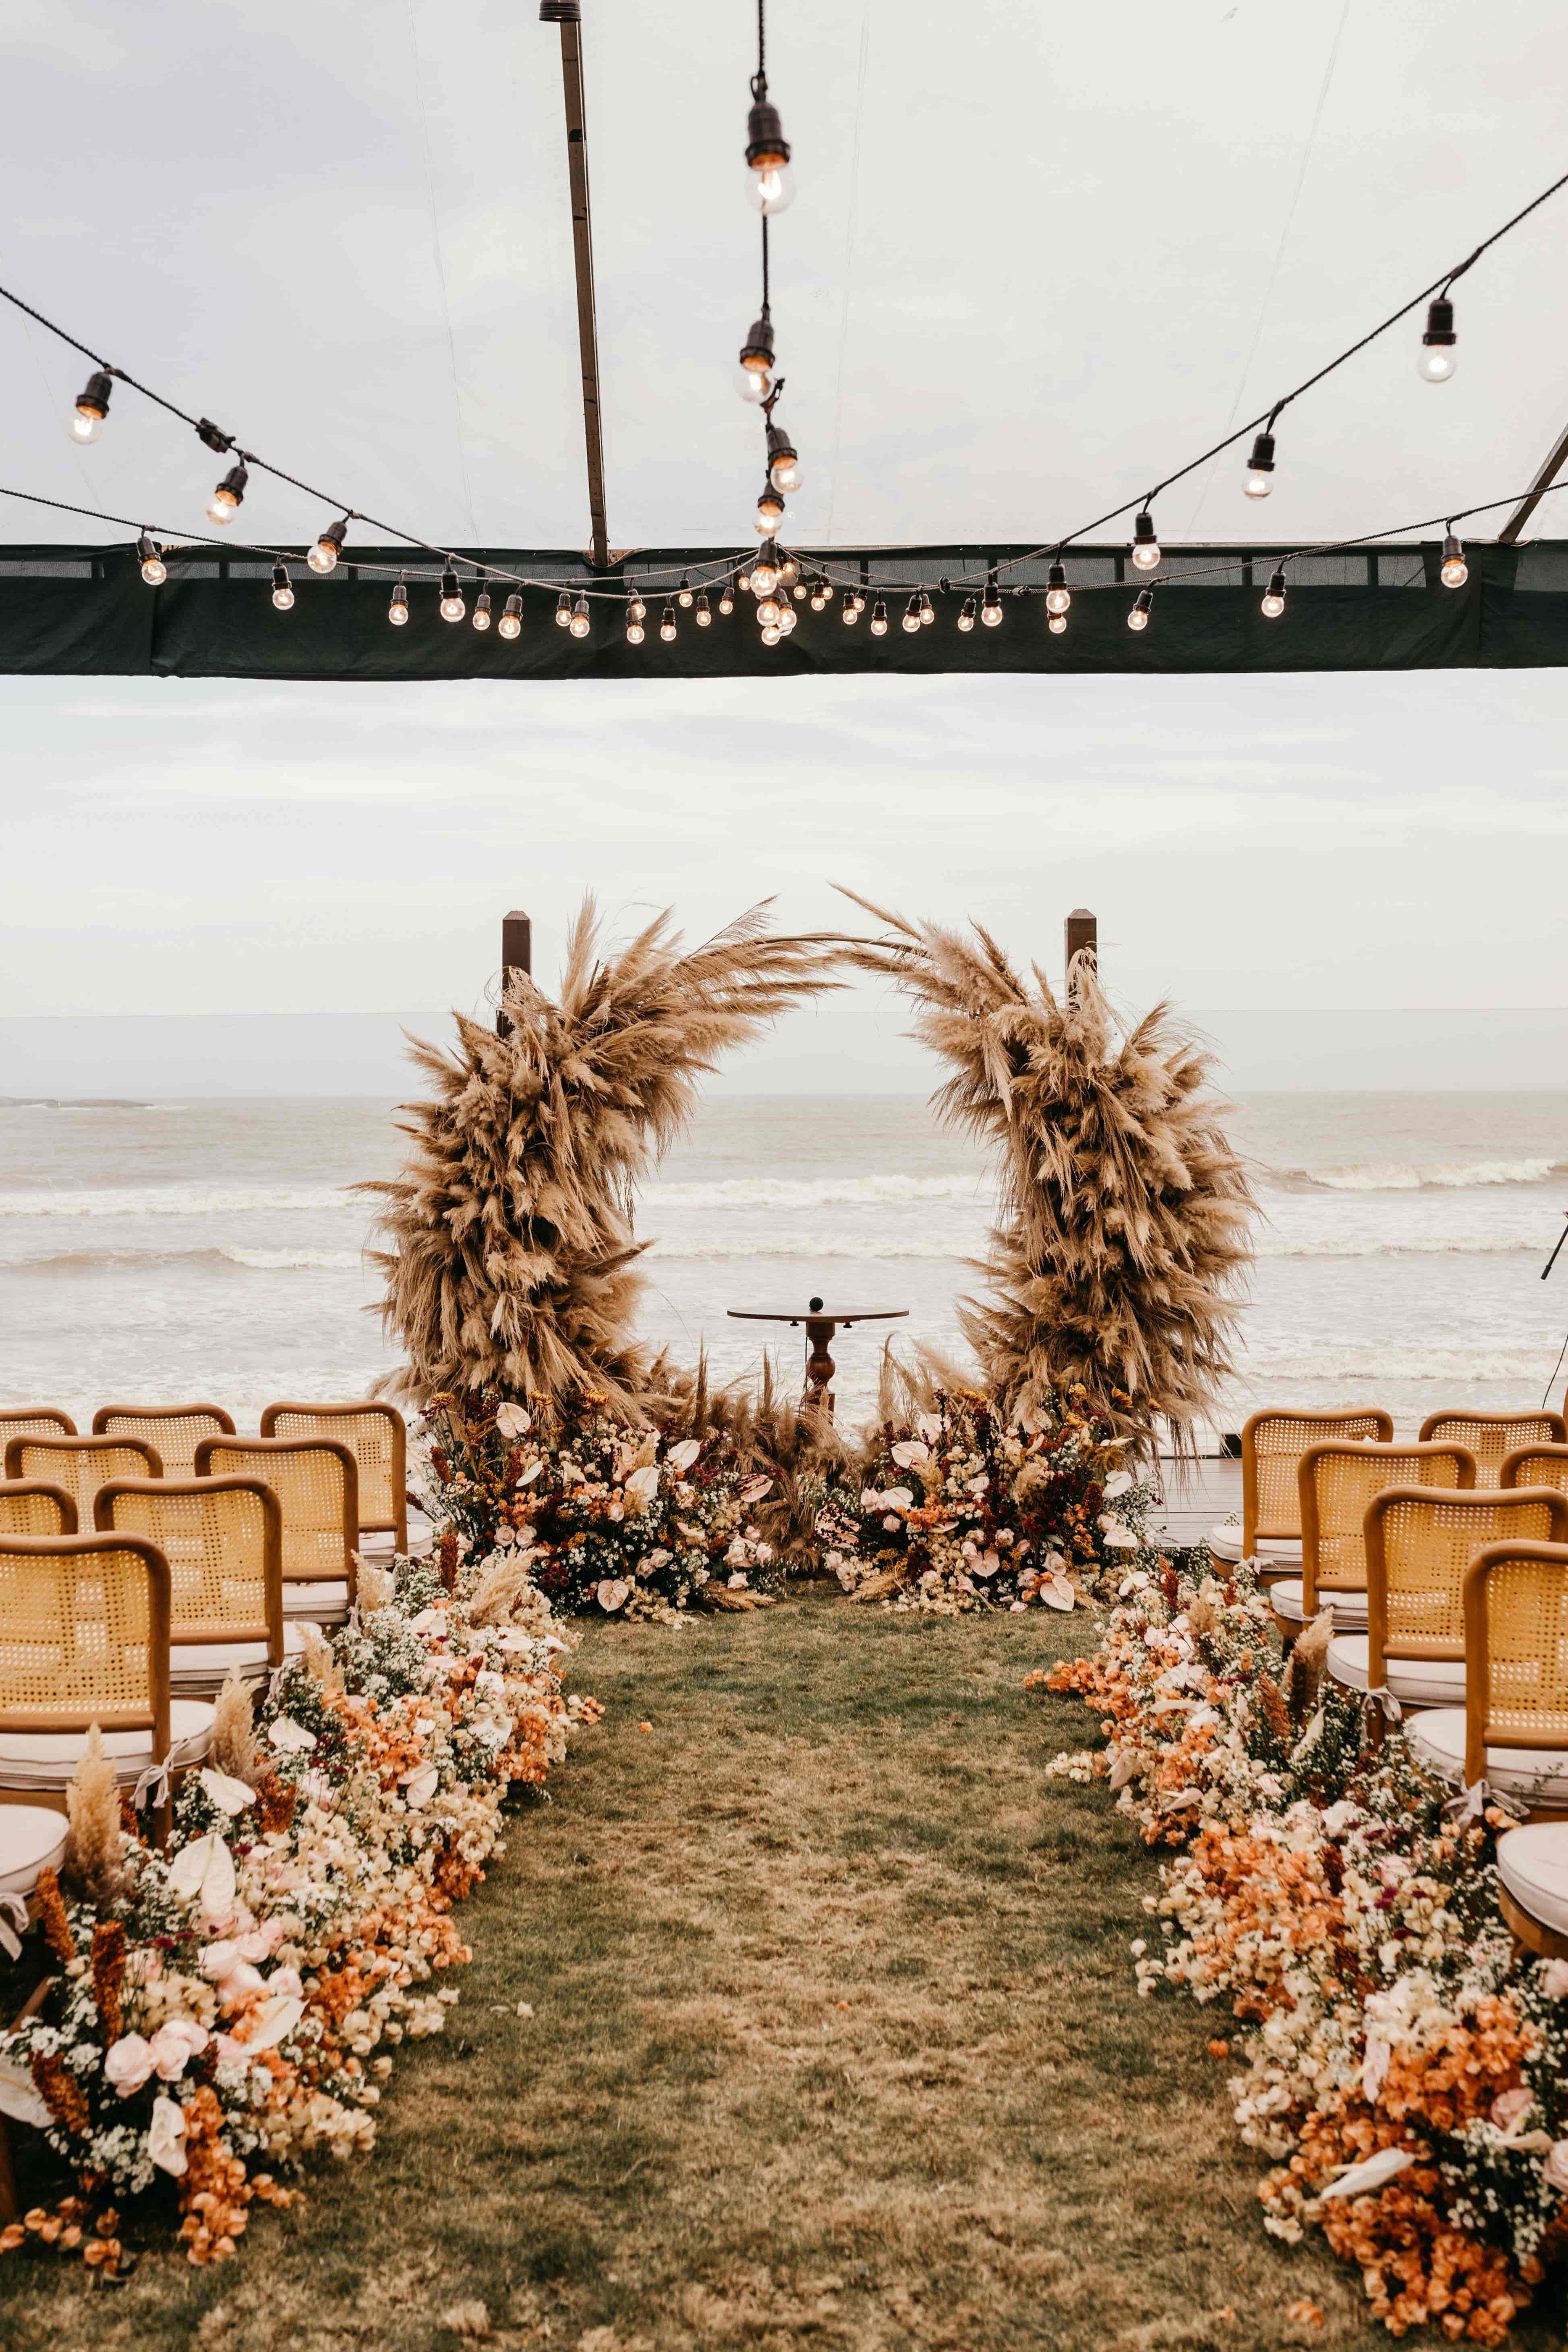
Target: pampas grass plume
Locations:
point(93, 1844)
point(234, 1731)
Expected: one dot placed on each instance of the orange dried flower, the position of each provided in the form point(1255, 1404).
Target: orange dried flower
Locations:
point(62, 2095)
point(274, 1802)
point(1275, 1713)
point(448, 1560)
point(52, 1919)
point(109, 1975)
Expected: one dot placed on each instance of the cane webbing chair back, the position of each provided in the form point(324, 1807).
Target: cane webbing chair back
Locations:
point(316, 1480)
point(1337, 1481)
point(1516, 1654)
point(1272, 1444)
point(1492, 1436)
point(84, 1635)
point(223, 1539)
point(34, 1421)
point(1535, 1465)
point(31, 1506)
point(379, 1440)
point(82, 1465)
point(175, 1430)
point(1419, 1545)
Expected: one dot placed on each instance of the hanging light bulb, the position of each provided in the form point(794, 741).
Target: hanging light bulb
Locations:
point(820, 594)
point(282, 591)
point(666, 627)
point(1454, 571)
point(511, 622)
point(1145, 546)
point(771, 633)
point(1260, 468)
point(966, 616)
point(1058, 595)
point(849, 611)
point(704, 615)
point(764, 573)
point(726, 600)
point(1439, 356)
point(742, 580)
point(634, 630)
point(927, 613)
point(789, 572)
point(580, 617)
point(1057, 623)
point(482, 609)
point(323, 556)
point(770, 182)
point(1138, 618)
point(154, 571)
point(770, 511)
point(91, 406)
point(1274, 597)
point(991, 610)
point(787, 620)
point(564, 610)
point(754, 374)
point(636, 609)
point(397, 611)
point(912, 617)
point(225, 498)
point(879, 619)
point(783, 460)
point(683, 593)
point(769, 611)
point(452, 605)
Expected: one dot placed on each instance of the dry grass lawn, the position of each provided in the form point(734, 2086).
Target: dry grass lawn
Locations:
point(835, 2044)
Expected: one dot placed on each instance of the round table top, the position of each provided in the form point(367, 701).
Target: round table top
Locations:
point(815, 1313)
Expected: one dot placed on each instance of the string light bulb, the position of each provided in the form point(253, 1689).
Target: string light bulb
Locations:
point(769, 612)
point(580, 617)
point(704, 614)
point(397, 611)
point(282, 588)
point(966, 616)
point(783, 460)
point(634, 630)
point(850, 611)
point(1260, 468)
point(482, 609)
point(511, 622)
point(726, 600)
point(1454, 571)
point(225, 499)
point(764, 574)
point(563, 611)
point(1439, 357)
point(769, 183)
point(754, 373)
point(683, 593)
point(927, 613)
point(879, 619)
point(1138, 618)
point(1058, 595)
point(636, 609)
point(1145, 546)
point(91, 406)
point(1057, 623)
point(452, 605)
point(820, 594)
point(770, 511)
point(789, 570)
point(787, 620)
point(154, 571)
point(770, 632)
point(323, 556)
point(912, 617)
point(991, 610)
point(666, 627)
point(1274, 597)
point(742, 580)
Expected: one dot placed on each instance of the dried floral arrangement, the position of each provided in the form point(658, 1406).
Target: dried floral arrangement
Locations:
point(1402, 2067)
point(963, 1509)
point(223, 2006)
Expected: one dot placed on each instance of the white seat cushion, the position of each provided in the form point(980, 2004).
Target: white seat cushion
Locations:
point(1538, 1775)
point(47, 1759)
point(324, 1602)
point(1414, 1682)
point(1533, 1864)
point(32, 1838)
point(1224, 1542)
point(199, 1666)
point(1272, 1555)
point(1288, 1598)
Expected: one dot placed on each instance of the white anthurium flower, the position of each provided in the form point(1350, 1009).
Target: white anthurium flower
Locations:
point(203, 1872)
point(290, 1739)
point(230, 1795)
point(929, 1426)
point(642, 1487)
point(870, 1499)
point(754, 1489)
point(1119, 1538)
point(681, 1457)
point(1119, 1483)
point(612, 1593)
point(420, 1785)
point(274, 2021)
point(512, 1422)
point(167, 2136)
point(911, 1455)
point(429, 1620)
point(986, 1565)
point(1377, 2170)
point(898, 1498)
point(19, 2096)
point(1057, 1592)
point(531, 1473)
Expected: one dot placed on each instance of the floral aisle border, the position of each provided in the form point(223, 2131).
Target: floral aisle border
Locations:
point(229, 2003)
point(1404, 2069)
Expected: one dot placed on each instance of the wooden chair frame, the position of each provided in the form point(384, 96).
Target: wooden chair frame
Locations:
point(1331, 1425)
point(1554, 1433)
point(81, 1446)
point(1360, 1450)
point(367, 1408)
point(154, 1717)
point(43, 1487)
point(267, 1629)
point(282, 1445)
point(1478, 1733)
point(11, 1413)
point(156, 1412)
point(1481, 1499)
point(1513, 1464)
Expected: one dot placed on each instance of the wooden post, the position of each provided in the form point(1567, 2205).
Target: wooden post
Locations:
point(516, 955)
point(1081, 933)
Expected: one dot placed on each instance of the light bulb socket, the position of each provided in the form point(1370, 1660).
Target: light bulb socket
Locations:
point(966, 615)
point(912, 615)
point(232, 487)
point(282, 587)
point(149, 556)
point(683, 593)
point(1277, 583)
point(666, 627)
point(559, 12)
point(879, 619)
point(767, 149)
point(92, 400)
point(512, 619)
point(1138, 618)
point(1143, 532)
point(1440, 323)
point(704, 611)
point(563, 610)
point(778, 444)
point(482, 609)
point(1262, 459)
point(325, 555)
point(397, 610)
point(757, 350)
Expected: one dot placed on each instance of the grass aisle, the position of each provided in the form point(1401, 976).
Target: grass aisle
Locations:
point(835, 2043)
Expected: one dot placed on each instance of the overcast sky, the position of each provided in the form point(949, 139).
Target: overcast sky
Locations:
point(1038, 258)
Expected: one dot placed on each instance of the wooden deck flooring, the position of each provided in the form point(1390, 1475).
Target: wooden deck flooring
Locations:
point(1197, 1496)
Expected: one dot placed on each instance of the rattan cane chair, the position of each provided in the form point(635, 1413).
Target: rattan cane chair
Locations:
point(173, 1430)
point(1337, 1481)
point(1514, 1727)
point(31, 1506)
point(84, 1640)
point(1492, 1436)
point(379, 1440)
point(1535, 1465)
point(34, 1421)
point(1272, 1444)
point(223, 1539)
point(316, 1480)
point(82, 1465)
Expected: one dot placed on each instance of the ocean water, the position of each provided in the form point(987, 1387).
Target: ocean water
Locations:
point(161, 1250)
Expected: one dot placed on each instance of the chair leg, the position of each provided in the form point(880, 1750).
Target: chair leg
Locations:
point(9, 2209)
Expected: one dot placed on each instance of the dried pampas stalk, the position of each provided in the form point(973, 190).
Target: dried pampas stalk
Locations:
point(374, 1588)
point(316, 1657)
point(1123, 1231)
point(1304, 1669)
point(498, 1588)
point(234, 1731)
point(511, 1258)
point(94, 1843)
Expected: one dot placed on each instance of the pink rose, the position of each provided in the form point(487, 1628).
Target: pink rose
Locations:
point(285, 1980)
point(1554, 1980)
point(1511, 2108)
point(128, 2063)
point(172, 2047)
